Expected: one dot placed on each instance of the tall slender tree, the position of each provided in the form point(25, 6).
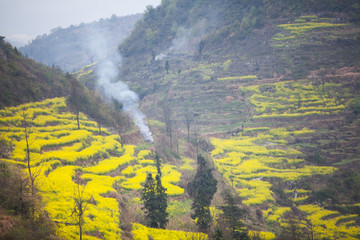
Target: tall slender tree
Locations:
point(33, 174)
point(161, 198)
point(158, 164)
point(149, 200)
point(167, 114)
point(202, 188)
point(80, 206)
point(189, 118)
point(77, 99)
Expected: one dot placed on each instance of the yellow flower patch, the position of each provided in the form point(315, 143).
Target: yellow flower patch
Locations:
point(141, 232)
point(330, 224)
point(56, 145)
point(246, 162)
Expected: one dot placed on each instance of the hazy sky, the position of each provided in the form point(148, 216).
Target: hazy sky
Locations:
point(23, 20)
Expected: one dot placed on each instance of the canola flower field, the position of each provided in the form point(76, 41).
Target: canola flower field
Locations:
point(248, 161)
point(60, 153)
point(302, 98)
point(294, 33)
point(247, 164)
point(141, 232)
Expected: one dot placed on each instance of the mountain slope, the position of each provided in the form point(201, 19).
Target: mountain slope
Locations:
point(108, 173)
point(203, 42)
point(260, 79)
point(23, 80)
point(270, 92)
point(70, 48)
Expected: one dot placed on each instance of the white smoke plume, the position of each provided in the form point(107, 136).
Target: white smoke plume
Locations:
point(107, 73)
point(187, 40)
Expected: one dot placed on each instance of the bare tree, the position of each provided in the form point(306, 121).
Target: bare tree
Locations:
point(167, 114)
point(176, 137)
point(32, 174)
point(77, 99)
point(80, 206)
point(121, 120)
point(196, 138)
point(189, 119)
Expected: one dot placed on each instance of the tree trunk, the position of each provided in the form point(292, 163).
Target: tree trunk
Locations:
point(77, 119)
point(99, 125)
point(188, 133)
point(80, 228)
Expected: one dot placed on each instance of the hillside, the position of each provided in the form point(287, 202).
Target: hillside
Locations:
point(24, 80)
point(65, 157)
point(287, 46)
point(71, 48)
point(267, 91)
point(273, 88)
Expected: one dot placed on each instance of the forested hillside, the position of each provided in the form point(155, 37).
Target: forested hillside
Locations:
point(24, 80)
point(71, 48)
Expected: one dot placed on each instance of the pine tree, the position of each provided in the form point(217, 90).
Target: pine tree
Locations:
point(158, 164)
point(231, 217)
point(218, 235)
point(161, 197)
point(202, 188)
point(149, 199)
point(155, 202)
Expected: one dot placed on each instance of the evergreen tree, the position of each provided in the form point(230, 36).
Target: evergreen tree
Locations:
point(167, 67)
point(149, 198)
point(218, 235)
point(202, 188)
point(161, 199)
point(231, 218)
point(155, 202)
point(158, 164)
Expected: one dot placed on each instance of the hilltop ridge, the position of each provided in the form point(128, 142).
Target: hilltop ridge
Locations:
point(71, 48)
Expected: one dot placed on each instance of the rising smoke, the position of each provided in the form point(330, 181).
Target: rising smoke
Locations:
point(107, 72)
point(187, 40)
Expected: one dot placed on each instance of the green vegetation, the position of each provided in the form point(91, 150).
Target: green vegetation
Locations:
point(231, 217)
point(202, 188)
point(155, 202)
point(23, 80)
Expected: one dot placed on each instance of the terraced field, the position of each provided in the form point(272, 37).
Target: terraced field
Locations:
point(63, 156)
point(305, 28)
point(262, 152)
point(291, 99)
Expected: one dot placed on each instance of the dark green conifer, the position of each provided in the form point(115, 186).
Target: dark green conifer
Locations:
point(218, 235)
point(154, 198)
point(231, 217)
point(148, 197)
point(158, 164)
point(161, 199)
point(202, 189)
